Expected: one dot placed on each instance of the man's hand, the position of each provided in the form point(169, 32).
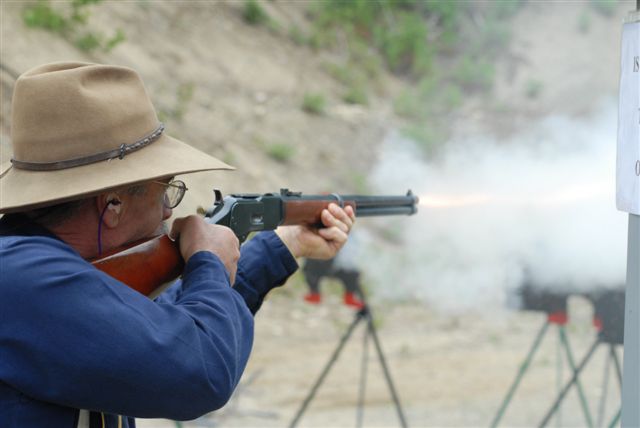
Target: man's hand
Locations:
point(324, 243)
point(195, 235)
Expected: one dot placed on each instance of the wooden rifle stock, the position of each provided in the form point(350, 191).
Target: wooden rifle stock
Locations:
point(147, 266)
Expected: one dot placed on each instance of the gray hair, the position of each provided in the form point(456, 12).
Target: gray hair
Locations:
point(55, 215)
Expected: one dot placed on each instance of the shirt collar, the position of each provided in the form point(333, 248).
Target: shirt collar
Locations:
point(21, 225)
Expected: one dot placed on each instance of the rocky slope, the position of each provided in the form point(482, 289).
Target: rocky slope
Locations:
point(236, 90)
point(247, 84)
point(224, 86)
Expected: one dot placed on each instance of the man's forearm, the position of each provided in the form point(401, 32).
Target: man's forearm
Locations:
point(265, 263)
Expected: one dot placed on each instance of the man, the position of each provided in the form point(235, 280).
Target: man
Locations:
point(93, 170)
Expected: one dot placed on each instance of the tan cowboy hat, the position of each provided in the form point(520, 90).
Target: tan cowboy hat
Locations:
point(79, 129)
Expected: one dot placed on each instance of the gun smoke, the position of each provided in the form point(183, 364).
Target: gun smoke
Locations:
point(539, 206)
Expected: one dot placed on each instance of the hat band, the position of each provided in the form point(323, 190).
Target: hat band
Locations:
point(119, 153)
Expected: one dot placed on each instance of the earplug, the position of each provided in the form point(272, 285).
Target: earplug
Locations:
point(113, 203)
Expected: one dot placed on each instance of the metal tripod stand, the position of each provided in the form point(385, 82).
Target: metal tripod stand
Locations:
point(574, 381)
point(365, 315)
point(609, 320)
point(560, 321)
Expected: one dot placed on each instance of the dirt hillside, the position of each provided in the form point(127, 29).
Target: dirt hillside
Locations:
point(247, 89)
point(246, 85)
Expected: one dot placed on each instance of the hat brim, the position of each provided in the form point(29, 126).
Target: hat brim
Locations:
point(22, 190)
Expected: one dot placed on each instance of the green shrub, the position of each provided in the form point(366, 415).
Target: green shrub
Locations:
point(253, 13)
point(229, 158)
point(415, 39)
point(80, 14)
point(363, 62)
point(533, 88)
point(88, 42)
point(504, 9)
point(118, 38)
point(429, 138)
point(356, 95)
point(405, 45)
point(280, 152)
point(314, 103)
point(43, 15)
point(353, 78)
point(450, 97)
point(475, 73)
point(297, 36)
point(408, 105)
point(604, 7)
point(448, 14)
point(342, 73)
point(397, 29)
point(184, 95)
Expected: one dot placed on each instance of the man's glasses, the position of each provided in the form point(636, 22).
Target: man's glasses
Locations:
point(174, 192)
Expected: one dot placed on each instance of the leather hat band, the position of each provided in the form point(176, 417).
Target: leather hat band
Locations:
point(119, 153)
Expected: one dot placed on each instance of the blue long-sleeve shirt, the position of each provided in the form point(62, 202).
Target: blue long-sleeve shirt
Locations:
point(72, 337)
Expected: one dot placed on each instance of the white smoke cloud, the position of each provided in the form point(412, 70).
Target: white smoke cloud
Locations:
point(543, 203)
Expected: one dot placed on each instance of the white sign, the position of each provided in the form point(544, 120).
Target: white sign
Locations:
point(628, 156)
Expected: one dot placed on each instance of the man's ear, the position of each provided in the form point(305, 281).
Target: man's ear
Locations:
point(110, 206)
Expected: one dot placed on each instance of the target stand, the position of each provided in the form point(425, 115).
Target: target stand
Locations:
point(554, 305)
point(609, 323)
point(362, 315)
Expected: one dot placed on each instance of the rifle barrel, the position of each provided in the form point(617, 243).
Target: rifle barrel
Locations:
point(383, 211)
point(408, 199)
point(383, 205)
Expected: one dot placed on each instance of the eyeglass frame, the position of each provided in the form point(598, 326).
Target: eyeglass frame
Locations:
point(178, 184)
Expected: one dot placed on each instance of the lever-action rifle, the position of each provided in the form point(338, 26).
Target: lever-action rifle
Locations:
point(147, 266)
point(246, 213)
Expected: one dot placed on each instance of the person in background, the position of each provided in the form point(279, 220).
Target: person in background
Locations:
point(94, 170)
point(342, 267)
